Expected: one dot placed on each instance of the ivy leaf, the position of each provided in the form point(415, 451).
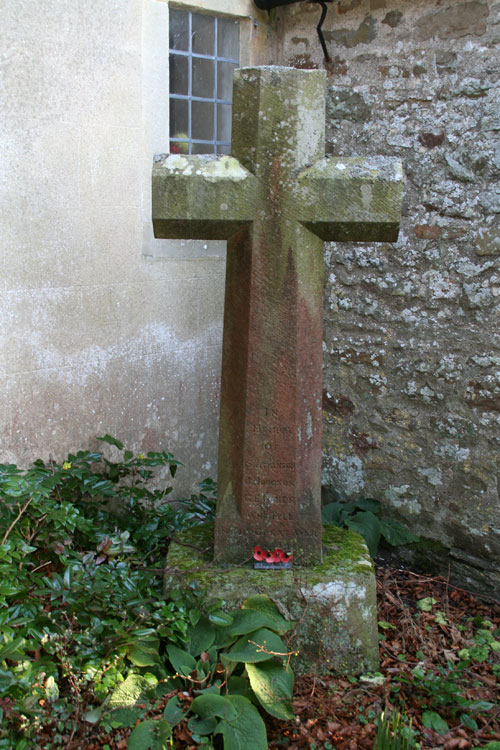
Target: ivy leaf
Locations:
point(273, 686)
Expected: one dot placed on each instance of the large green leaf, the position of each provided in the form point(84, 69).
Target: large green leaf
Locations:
point(182, 662)
point(144, 653)
point(331, 512)
point(173, 712)
point(273, 686)
point(263, 604)
point(368, 525)
point(201, 636)
point(202, 727)
point(257, 646)
point(209, 705)
point(396, 534)
point(247, 620)
point(433, 720)
point(127, 693)
point(247, 730)
point(150, 735)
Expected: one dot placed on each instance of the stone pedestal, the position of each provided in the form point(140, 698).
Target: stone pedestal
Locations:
point(333, 603)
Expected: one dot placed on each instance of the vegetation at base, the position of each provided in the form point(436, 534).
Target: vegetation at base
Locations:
point(362, 516)
point(393, 735)
point(87, 641)
point(85, 635)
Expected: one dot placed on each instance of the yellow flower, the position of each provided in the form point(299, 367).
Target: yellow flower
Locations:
point(141, 455)
point(67, 465)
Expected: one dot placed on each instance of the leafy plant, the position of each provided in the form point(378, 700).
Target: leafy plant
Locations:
point(233, 663)
point(444, 688)
point(361, 516)
point(393, 735)
point(81, 557)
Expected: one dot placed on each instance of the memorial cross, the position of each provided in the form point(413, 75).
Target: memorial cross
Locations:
point(275, 200)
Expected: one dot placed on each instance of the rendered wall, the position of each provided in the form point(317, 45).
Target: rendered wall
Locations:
point(412, 344)
point(103, 328)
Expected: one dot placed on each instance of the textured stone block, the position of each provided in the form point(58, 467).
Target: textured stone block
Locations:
point(333, 603)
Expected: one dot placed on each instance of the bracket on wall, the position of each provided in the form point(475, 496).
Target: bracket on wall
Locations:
point(270, 4)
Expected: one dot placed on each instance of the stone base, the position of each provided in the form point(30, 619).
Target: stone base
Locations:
point(333, 603)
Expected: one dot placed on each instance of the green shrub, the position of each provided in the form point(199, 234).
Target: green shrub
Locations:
point(361, 516)
point(81, 557)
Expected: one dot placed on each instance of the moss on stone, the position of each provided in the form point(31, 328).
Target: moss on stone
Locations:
point(334, 602)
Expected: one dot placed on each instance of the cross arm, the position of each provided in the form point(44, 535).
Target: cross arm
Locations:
point(356, 199)
point(200, 197)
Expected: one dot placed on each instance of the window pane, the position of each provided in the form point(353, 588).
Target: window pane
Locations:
point(224, 122)
point(223, 149)
point(203, 34)
point(203, 77)
point(202, 126)
point(203, 148)
point(228, 38)
point(178, 74)
point(178, 118)
point(178, 29)
point(225, 80)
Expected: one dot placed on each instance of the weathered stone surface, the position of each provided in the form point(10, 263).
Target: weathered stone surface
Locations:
point(488, 242)
point(217, 194)
point(431, 140)
point(342, 104)
point(407, 327)
point(393, 18)
point(334, 603)
point(454, 21)
point(365, 33)
point(275, 210)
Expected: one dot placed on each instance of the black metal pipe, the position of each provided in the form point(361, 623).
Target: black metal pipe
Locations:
point(270, 4)
point(324, 10)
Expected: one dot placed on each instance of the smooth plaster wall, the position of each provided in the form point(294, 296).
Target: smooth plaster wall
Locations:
point(103, 328)
point(412, 343)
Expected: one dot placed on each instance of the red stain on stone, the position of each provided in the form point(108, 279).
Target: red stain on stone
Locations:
point(428, 231)
point(340, 405)
point(362, 443)
point(431, 140)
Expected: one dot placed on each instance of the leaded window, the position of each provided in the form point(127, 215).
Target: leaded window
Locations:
point(204, 51)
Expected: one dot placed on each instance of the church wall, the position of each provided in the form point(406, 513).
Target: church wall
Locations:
point(104, 329)
point(412, 344)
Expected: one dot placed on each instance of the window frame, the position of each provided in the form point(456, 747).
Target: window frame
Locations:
point(219, 145)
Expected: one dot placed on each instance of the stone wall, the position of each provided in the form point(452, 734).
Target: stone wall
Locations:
point(412, 339)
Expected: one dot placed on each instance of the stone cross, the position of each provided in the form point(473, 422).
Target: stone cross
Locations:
point(275, 200)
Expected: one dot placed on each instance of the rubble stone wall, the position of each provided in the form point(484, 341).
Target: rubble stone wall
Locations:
point(411, 333)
